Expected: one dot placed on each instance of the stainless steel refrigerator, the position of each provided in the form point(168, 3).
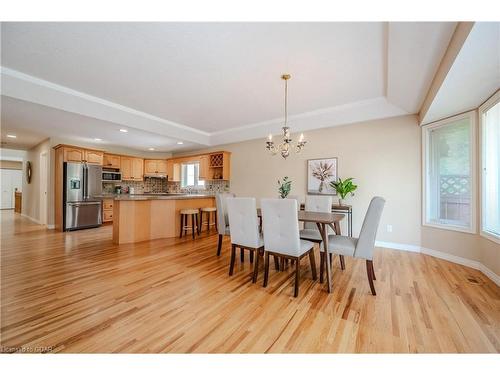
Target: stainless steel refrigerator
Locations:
point(82, 187)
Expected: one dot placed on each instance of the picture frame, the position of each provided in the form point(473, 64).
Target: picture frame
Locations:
point(320, 172)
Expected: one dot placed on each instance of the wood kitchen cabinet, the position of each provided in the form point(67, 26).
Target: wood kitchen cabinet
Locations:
point(204, 171)
point(173, 170)
point(94, 157)
point(111, 161)
point(107, 210)
point(155, 167)
point(132, 169)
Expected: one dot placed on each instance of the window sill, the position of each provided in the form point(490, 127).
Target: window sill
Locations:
point(454, 228)
point(490, 236)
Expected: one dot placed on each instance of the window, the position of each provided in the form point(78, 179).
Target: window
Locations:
point(489, 115)
point(190, 176)
point(449, 173)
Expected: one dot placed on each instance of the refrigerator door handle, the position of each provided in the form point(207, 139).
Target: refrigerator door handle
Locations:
point(85, 181)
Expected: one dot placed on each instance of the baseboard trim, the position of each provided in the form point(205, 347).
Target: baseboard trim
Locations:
point(442, 255)
point(31, 218)
point(398, 246)
point(51, 226)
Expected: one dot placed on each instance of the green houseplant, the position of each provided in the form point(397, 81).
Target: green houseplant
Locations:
point(343, 188)
point(284, 187)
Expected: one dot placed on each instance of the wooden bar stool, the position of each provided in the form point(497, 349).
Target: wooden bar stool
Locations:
point(193, 212)
point(208, 211)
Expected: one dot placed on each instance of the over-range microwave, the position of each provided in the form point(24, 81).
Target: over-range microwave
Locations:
point(111, 176)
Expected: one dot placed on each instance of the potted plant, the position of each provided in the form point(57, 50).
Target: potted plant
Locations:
point(284, 187)
point(343, 188)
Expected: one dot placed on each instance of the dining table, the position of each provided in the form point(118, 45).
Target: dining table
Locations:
point(323, 221)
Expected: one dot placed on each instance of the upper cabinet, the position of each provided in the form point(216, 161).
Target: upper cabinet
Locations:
point(132, 169)
point(81, 155)
point(111, 161)
point(155, 167)
point(213, 166)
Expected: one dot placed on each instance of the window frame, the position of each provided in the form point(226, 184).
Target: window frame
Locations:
point(491, 102)
point(472, 228)
point(197, 186)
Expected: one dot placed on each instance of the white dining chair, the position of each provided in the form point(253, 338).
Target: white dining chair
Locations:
point(243, 221)
point(280, 225)
point(222, 219)
point(363, 246)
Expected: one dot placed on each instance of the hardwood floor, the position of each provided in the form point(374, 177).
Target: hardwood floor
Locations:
point(77, 292)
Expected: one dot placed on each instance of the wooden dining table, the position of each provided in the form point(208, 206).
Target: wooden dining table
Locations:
point(323, 221)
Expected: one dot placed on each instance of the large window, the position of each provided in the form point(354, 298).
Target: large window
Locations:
point(449, 173)
point(190, 176)
point(490, 168)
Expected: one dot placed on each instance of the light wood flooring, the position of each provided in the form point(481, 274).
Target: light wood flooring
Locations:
point(77, 292)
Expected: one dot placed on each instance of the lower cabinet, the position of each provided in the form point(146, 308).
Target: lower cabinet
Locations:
point(107, 210)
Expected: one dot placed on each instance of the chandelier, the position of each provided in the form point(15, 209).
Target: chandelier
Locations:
point(286, 144)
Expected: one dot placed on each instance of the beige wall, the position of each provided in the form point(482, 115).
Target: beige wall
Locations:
point(383, 156)
point(31, 192)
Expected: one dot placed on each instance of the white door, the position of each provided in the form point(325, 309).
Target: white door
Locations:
point(43, 188)
point(7, 191)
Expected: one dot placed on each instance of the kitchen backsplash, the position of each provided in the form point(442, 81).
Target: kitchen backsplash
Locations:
point(161, 185)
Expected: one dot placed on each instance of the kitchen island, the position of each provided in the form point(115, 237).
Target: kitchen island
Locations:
point(144, 217)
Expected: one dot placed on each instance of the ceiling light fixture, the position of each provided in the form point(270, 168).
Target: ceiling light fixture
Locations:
point(124, 130)
point(151, 149)
point(97, 139)
point(180, 143)
point(11, 136)
point(284, 146)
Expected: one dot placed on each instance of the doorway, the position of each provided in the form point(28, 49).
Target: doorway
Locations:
point(10, 180)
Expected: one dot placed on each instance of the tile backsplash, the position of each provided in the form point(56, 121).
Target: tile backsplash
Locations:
point(161, 185)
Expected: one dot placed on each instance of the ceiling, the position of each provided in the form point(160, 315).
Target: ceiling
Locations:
point(474, 75)
point(211, 83)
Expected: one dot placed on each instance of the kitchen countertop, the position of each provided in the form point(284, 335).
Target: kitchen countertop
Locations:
point(143, 197)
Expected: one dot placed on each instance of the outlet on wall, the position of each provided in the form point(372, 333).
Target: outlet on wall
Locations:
point(389, 228)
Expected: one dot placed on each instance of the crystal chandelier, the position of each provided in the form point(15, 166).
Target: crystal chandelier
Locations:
point(286, 144)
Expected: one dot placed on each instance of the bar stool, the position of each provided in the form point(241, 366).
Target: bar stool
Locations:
point(194, 221)
point(208, 211)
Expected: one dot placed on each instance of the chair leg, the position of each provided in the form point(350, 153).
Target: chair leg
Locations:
point(276, 263)
point(185, 224)
point(321, 266)
point(219, 244)
point(182, 225)
point(313, 264)
point(251, 256)
point(233, 255)
point(208, 221)
point(373, 270)
point(193, 224)
point(282, 264)
point(215, 218)
point(242, 255)
point(266, 268)
point(256, 267)
point(369, 265)
point(342, 262)
point(297, 278)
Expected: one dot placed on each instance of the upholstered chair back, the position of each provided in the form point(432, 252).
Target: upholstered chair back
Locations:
point(243, 221)
point(222, 219)
point(280, 226)
point(318, 203)
point(366, 241)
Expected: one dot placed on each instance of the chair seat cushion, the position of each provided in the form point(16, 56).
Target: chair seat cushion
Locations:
point(311, 235)
point(305, 246)
point(341, 245)
point(209, 209)
point(189, 211)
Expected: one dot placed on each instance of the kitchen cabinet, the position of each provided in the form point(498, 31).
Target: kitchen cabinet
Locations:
point(204, 169)
point(155, 167)
point(132, 169)
point(73, 154)
point(107, 210)
point(80, 155)
point(173, 170)
point(94, 157)
point(111, 161)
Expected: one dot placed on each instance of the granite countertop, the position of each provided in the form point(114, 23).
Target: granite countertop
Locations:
point(142, 197)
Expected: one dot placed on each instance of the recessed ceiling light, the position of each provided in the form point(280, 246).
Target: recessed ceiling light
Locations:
point(124, 130)
point(180, 143)
point(97, 139)
point(11, 136)
point(151, 149)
